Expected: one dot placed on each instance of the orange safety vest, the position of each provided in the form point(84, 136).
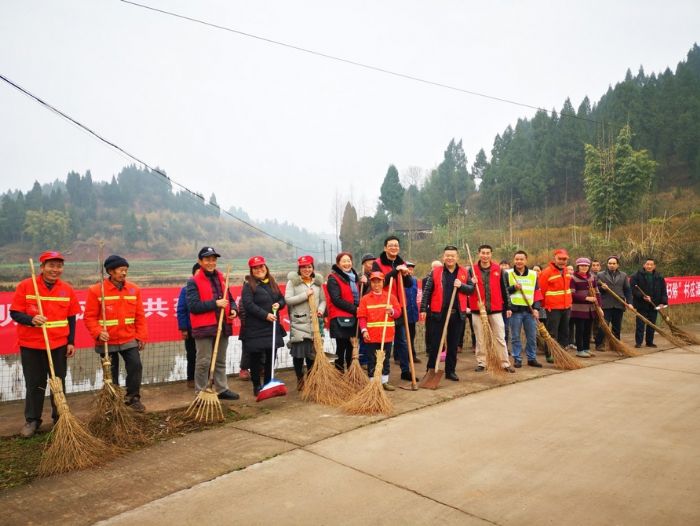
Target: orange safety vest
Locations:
point(372, 308)
point(125, 319)
point(555, 285)
point(58, 303)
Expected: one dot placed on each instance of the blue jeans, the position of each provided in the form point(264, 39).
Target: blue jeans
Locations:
point(527, 320)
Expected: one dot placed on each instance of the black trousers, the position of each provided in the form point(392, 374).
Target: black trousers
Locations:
point(35, 367)
point(258, 358)
point(453, 330)
point(134, 370)
point(372, 349)
point(613, 317)
point(343, 352)
point(191, 351)
point(558, 325)
point(299, 366)
point(583, 333)
point(412, 335)
point(641, 329)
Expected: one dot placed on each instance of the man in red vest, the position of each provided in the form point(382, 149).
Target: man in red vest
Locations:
point(436, 300)
point(60, 307)
point(205, 299)
point(492, 288)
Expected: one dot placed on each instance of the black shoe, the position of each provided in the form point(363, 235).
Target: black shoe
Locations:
point(479, 368)
point(228, 395)
point(452, 376)
point(533, 363)
point(256, 390)
point(135, 404)
point(637, 345)
point(518, 364)
point(406, 375)
point(651, 345)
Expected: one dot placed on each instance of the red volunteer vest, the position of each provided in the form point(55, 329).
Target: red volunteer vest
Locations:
point(495, 285)
point(345, 292)
point(206, 293)
point(437, 298)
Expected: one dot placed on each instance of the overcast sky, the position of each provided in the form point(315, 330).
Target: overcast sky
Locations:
point(282, 133)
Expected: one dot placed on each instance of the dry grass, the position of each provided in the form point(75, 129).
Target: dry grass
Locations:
point(371, 399)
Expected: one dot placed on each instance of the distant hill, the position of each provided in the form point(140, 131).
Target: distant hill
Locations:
point(138, 214)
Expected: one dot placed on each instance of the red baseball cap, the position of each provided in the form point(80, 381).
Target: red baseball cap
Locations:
point(305, 260)
point(50, 254)
point(376, 275)
point(561, 252)
point(256, 261)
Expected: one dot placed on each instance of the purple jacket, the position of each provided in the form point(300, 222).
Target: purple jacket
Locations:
point(580, 308)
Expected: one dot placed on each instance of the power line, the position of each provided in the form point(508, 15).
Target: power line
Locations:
point(351, 62)
point(162, 174)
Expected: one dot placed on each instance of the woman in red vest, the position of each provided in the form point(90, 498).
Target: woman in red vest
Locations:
point(343, 299)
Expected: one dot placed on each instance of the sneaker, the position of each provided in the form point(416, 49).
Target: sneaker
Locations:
point(589, 352)
point(582, 354)
point(479, 369)
point(388, 387)
point(136, 405)
point(228, 395)
point(549, 358)
point(533, 363)
point(651, 345)
point(518, 364)
point(29, 428)
point(244, 374)
point(571, 346)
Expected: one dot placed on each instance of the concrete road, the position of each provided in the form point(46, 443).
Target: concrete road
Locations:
point(614, 444)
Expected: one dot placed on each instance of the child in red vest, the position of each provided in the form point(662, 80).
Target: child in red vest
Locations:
point(377, 320)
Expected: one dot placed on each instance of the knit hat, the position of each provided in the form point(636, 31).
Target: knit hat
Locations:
point(256, 261)
point(583, 261)
point(50, 254)
point(115, 261)
point(368, 257)
point(305, 260)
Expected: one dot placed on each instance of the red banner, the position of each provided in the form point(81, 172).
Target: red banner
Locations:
point(683, 289)
point(160, 306)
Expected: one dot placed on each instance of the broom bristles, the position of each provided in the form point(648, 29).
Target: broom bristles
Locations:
point(355, 376)
point(324, 384)
point(206, 407)
point(112, 421)
point(70, 445)
point(562, 359)
point(371, 399)
point(679, 333)
point(611, 342)
point(494, 360)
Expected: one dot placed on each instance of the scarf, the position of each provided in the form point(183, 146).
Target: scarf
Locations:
point(353, 286)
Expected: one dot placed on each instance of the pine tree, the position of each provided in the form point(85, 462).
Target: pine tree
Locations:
point(391, 192)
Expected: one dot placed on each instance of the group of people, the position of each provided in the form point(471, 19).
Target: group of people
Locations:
point(370, 304)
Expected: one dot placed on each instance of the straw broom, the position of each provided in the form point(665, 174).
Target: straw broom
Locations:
point(111, 420)
point(372, 399)
point(206, 407)
point(355, 376)
point(70, 445)
point(562, 359)
point(611, 342)
point(494, 362)
point(676, 331)
point(324, 384)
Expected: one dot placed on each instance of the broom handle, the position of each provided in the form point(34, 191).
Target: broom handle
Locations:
point(643, 294)
point(408, 333)
point(443, 337)
point(471, 263)
point(43, 326)
point(274, 337)
point(100, 254)
point(386, 318)
point(215, 350)
point(356, 347)
point(318, 344)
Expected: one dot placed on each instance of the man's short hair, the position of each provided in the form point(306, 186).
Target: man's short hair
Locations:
point(481, 247)
point(450, 247)
point(649, 259)
point(391, 238)
point(521, 252)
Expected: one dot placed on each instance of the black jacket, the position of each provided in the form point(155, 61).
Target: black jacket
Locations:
point(393, 272)
point(257, 305)
point(657, 292)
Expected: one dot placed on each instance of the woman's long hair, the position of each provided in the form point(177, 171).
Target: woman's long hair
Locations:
point(253, 282)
